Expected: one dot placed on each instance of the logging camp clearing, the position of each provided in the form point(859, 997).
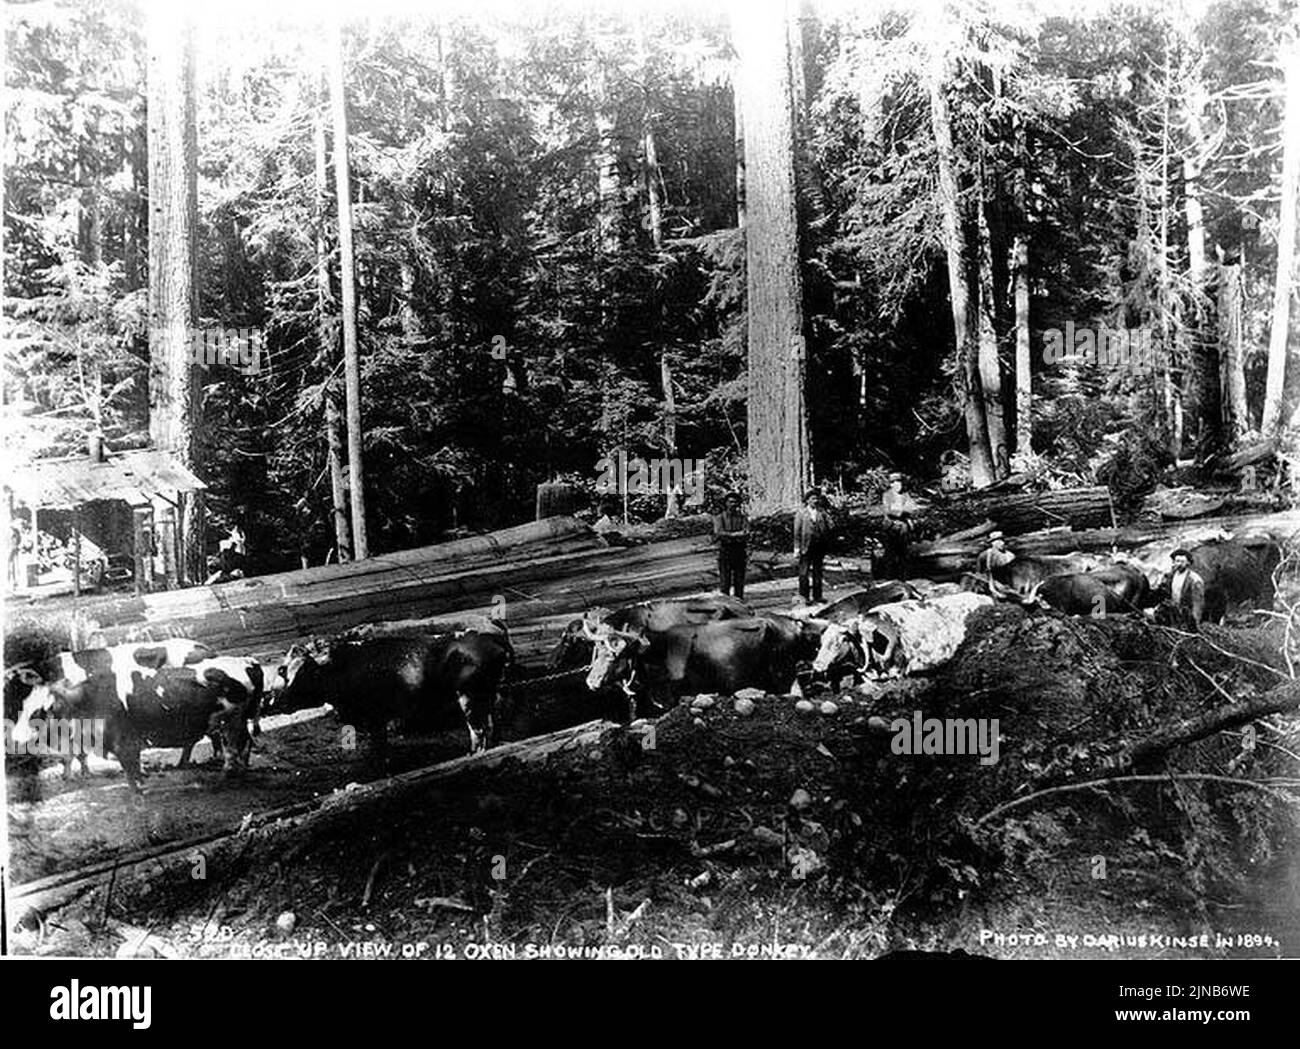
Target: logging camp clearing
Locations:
point(700, 823)
point(354, 342)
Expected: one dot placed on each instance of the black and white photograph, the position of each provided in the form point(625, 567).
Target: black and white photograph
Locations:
point(776, 480)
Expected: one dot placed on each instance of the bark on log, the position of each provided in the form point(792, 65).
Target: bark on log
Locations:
point(1016, 512)
point(948, 560)
point(547, 569)
point(1246, 457)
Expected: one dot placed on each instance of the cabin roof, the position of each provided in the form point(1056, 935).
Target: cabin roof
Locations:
point(132, 477)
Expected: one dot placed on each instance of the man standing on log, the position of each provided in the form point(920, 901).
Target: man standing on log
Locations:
point(731, 530)
point(996, 556)
point(898, 508)
point(812, 529)
point(1186, 589)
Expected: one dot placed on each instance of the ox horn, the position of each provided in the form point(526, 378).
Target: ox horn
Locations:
point(591, 633)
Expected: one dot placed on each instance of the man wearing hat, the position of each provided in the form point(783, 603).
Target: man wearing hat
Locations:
point(731, 530)
point(898, 508)
point(1186, 588)
point(996, 556)
point(812, 530)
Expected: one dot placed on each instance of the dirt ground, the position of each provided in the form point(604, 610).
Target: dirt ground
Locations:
point(771, 833)
point(57, 825)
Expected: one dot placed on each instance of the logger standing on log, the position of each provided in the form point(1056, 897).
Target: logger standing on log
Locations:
point(996, 556)
point(731, 530)
point(898, 507)
point(812, 529)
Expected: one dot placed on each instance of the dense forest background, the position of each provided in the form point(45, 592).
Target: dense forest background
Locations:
point(550, 245)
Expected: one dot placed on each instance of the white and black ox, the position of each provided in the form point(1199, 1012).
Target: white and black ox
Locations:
point(153, 694)
point(426, 682)
point(902, 637)
point(722, 656)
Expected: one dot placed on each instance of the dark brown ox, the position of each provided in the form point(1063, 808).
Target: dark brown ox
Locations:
point(574, 648)
point(426, 682)
point(1117, 588)
point(709, 657)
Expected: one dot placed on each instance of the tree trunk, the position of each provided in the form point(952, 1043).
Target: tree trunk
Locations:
point(347, 283)
point(1283, 282)
point(329, 351)
point(1236, 414)
point(954, 235)
point(779, 459)
point(608, 204)
point(654, 219)
point(175, 388)
point(1020, 286)
point(740, 158)
point(989, 365)
point(1204, 363)
point(653, 179)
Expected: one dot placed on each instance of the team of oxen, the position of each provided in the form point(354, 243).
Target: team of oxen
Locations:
point(174, 693)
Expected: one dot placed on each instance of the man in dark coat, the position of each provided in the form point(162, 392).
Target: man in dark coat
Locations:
point(812, 530)
point(1185, 589)
point(731, 530)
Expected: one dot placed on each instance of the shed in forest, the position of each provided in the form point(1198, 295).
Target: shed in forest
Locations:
point(118, 512)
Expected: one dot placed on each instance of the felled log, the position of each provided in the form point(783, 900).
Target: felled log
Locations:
point(1183, 503)
point(1245, 457)
point(1017, 512)
point(983, 528)
point(948, 560)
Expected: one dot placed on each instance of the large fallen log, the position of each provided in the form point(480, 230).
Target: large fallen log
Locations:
point(225, 609)
point(548, 569)
point(949, 559)
point(1255, 453)
point(1015, 512)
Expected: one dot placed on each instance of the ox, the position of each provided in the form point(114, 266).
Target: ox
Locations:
point(427, 682)
point(33, 687)
point(906, 636)
point(707, 657)
point(165, 707)
point(574, 648)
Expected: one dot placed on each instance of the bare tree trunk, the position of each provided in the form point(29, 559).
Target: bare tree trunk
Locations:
point(1020, 286)
point(347, 282)
point(1204, 389)
point(989, 365)
point(608, 208)
point(779, 459)
point(981, 458)
point(175, 388)
point(653, 180)
point(329, 344)
point(740, 159)
point(446, 82)
point(1236, 414)
point(1284, 281)
point(654, 220)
